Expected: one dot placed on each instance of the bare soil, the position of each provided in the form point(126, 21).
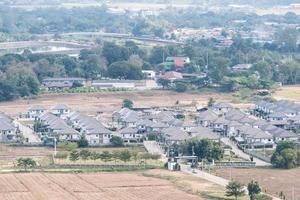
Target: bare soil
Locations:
point(273, 181)
point(106, 186)
point(108, 102)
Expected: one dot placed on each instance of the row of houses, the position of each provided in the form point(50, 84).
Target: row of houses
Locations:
point(133, 125)
point(249, 131)
point(283, 114)
point(71, 125)
point(35, 111)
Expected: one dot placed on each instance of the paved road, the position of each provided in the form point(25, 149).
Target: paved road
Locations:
point(154, 148)
point(243, 155)
point(204, 175)
point(28, 133)
point(209, 177)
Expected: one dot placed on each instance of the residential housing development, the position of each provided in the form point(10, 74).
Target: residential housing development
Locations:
point(263, 127)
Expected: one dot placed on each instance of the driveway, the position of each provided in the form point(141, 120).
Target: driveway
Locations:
point(243, 155)
point(28, 133)
point(154, 148)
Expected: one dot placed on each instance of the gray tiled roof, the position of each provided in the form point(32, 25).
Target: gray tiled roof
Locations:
point(6, 126)
point(36, 107)
point(175, 134)
point(207, 115)
point(60, 107)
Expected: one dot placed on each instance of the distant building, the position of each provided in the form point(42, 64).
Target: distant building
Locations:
point(178, 62)
point(241, 67)
point(172, 75)
point(59, 83)
point(149, 74)
point(7, 129)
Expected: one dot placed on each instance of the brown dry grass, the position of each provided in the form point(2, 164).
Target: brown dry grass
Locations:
point(111, 101)
point(106, 186)
point(273, 181)
point(288, 93)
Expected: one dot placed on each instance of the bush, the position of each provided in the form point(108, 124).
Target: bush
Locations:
point(85, 154)
point(181, 87)
point(61, 155)
point(127, 103)
point(116, 141)
point(68, 146)
point(262, 197)
point(26, 163)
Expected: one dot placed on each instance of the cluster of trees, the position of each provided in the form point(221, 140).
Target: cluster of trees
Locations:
point(203, 149)
point(23, 24)
point(236, 189)
point(286, 156)
point(106, 156)
point(26, 163)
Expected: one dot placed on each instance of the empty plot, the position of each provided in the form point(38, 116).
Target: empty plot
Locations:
point(104, 186)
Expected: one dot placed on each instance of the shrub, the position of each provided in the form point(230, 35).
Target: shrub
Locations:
point(61, 155)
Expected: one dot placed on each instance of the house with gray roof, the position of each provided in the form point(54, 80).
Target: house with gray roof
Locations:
point(221, 107)
point(220, 125)
point(61, 110)
point(130, 135)
point(254, 137)
point(57, 127)
point(95, 132)
point(126, 118)
point(280, 134)
point(174, 135)
point(8, 132)
point(206, 118)
point(200, 133)
point(32, 113)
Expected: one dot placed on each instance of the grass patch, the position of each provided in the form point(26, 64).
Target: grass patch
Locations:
point(219, 196)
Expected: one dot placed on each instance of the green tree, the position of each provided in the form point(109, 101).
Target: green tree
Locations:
point(234, 188)
point(125, 155)
point(74, 156)
point(211, 102)
point(116, 141)
point(127, 103)
point(165, 83)
point(287, 39)
point(26, 163)
point(82, 142)
point(264, 69)
point(204, 149)
point(285, 156)
point(181, 87)
point(124, 70)
point(253, 189)
point(114, 53)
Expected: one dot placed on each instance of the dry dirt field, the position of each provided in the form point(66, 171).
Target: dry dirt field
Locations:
point(272, 181)
point(288, 93)
point(111, 101)
point(104, 186)
point(9, 155)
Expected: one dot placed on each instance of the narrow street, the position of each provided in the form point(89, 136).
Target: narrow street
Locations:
point(243, 155)
point(28, 133)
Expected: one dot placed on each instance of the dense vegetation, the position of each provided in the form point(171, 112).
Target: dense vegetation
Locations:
point(286, 156)
point(21, 74)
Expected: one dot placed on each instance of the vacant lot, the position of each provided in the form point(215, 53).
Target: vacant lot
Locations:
point(288, 93)
point(108, 102)
point(105, 186)
point(273, 181)
point(9, 154)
